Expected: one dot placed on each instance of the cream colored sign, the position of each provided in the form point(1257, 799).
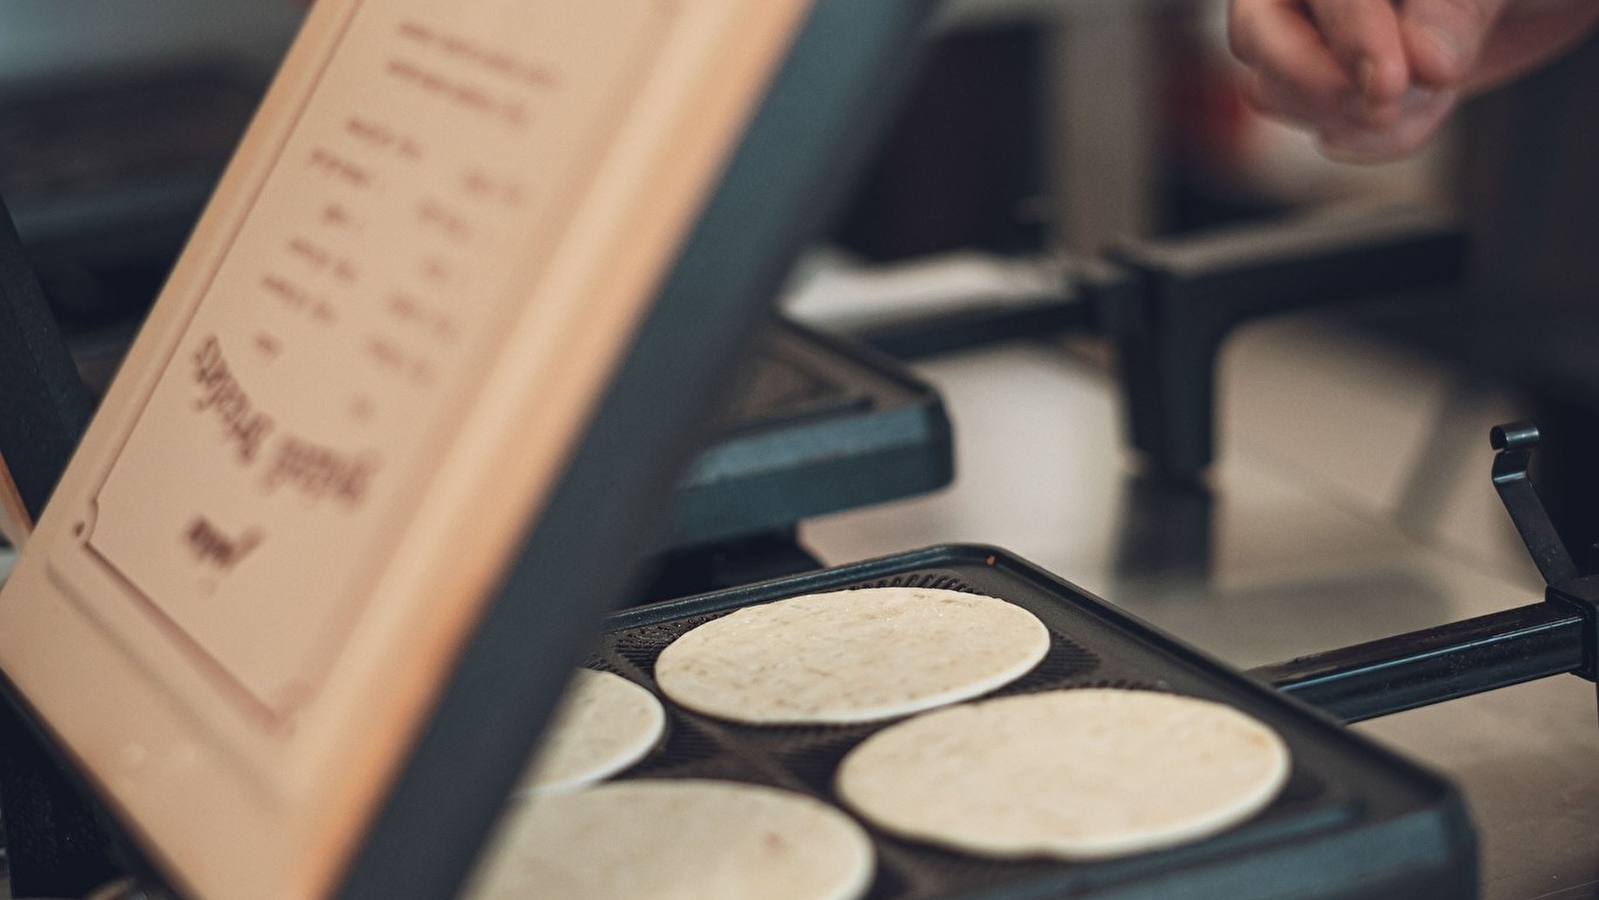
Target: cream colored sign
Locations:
point(311, 390)
point(362, 381)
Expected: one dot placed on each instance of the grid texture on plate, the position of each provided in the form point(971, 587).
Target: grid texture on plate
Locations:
point(805, 757)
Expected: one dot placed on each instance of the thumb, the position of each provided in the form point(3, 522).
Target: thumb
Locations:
point(1444, 37)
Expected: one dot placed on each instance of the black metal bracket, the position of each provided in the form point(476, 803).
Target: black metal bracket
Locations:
point(1582, 596)
point(1569, 587)
point(1197, 290)
point(1409, 671)
point(1514, 443)
point(1557, 636)
point(1169, 304)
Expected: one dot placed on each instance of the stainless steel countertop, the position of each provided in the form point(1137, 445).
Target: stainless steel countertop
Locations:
point(1352, 501)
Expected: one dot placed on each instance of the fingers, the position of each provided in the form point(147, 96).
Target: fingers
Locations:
point(1364, 37)
point(1347, 69)
point(1354, 137)
point(1322, 63)
point(1423, 112)
point(1375, 78)
point(1443, 38)
point(1277, 40)
point(1518, 35)
point(1278, 99)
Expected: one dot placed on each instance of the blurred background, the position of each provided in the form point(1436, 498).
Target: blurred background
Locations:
point(1047, 143)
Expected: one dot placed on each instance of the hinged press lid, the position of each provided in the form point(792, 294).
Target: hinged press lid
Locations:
point(396, 428)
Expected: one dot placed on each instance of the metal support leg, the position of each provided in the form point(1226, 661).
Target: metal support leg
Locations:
point(1195, 291)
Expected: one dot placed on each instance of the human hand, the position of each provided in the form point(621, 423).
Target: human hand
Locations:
point(1376, 78)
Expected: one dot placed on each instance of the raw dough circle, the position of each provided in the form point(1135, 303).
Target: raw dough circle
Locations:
point(851, 656)
point(1074, 774)
point(658, 839)
point(604, 724)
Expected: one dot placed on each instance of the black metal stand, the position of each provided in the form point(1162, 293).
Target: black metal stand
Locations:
point(1557, 636)
point(1426, 667)
point(1197, 290)
point(1169, 304)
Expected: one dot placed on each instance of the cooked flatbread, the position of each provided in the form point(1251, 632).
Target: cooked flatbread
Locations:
point(851, 656)
point(654, 840)
point(1074, 774)
point(605, 724)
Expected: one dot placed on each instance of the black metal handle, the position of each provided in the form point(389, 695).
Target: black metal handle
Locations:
point(1560, 635)
point(46, 406)
point(1437, 664)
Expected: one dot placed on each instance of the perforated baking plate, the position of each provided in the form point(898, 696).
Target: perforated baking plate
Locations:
point(1354, 821)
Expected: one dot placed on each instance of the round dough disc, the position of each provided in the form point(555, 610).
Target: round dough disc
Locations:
point(1073, 774)
point(851, 656)
point(605, 724)
point(648, 839)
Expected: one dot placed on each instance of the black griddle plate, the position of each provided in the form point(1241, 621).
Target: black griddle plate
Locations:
point(1354, 821)
point(821, 425)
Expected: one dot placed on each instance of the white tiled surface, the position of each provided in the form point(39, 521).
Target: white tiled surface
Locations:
point(1352, 501)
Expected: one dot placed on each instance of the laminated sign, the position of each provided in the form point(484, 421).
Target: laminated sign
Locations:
point(365, 384)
